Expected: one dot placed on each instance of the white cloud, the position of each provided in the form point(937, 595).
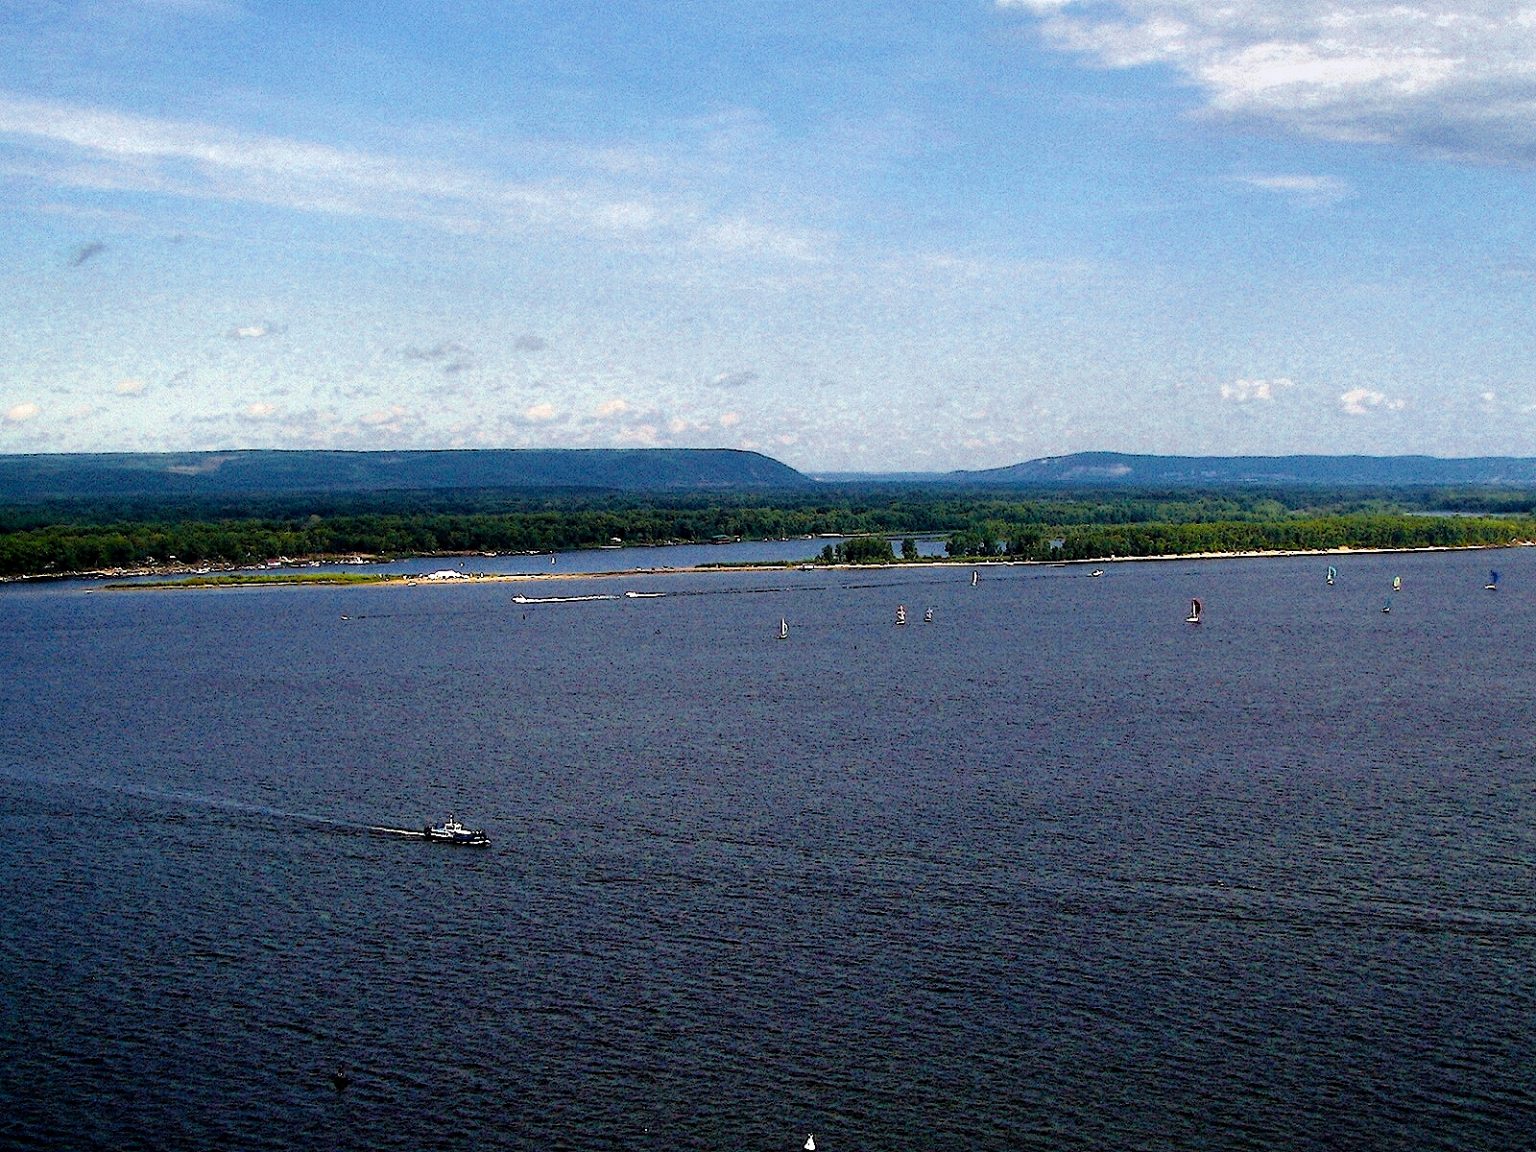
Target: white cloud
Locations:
point(1455, 78)
point(249, 332)
point(389, 418)
point(639, 436)
point(730, 419)
point(129, 387)
point(260, 411)
point(1246, 391)
point(540, 413)
point(19, 413)
point(608, 409)
point(1364, 401)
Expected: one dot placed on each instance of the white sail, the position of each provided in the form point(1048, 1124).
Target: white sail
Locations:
point(783, 628)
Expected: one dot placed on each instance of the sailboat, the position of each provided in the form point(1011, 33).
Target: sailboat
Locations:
point(901, 613)
point(1387, 607)
point(928, 616)
point(975, 576)
point(1397, 583)
point(1332, 572)
point(1493, 582)
point(783, 628)
point(1195, 608)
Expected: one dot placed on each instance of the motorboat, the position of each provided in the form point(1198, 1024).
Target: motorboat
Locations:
point(450, 831)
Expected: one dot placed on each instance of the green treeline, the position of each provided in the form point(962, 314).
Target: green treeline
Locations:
point(82, 537)
point(1377, 530)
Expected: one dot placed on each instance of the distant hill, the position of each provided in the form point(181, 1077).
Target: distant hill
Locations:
point(24, 479)
point(1115, 469)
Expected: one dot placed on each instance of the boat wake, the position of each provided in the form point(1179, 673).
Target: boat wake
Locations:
point(183, 798)
point(521, 599)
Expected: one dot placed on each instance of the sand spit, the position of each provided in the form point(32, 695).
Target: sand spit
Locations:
point(301, 573)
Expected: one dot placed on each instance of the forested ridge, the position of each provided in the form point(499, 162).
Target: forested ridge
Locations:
point(102, 535)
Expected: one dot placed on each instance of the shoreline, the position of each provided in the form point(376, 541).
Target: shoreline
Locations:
point(300, 574)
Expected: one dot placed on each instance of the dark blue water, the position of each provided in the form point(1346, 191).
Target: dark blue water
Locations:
point(1056, 870)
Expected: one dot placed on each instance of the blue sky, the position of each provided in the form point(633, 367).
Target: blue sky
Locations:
point(853, 236)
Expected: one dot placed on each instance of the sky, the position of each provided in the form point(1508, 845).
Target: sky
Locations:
point(852, 236)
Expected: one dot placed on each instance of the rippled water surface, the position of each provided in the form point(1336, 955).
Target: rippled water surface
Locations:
point(1055, 870)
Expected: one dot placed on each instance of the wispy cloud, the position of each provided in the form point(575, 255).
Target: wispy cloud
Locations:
point(1302, 189)
point(737, 379)
point(71, 145)
point(129, 388)
point(1456, 78)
